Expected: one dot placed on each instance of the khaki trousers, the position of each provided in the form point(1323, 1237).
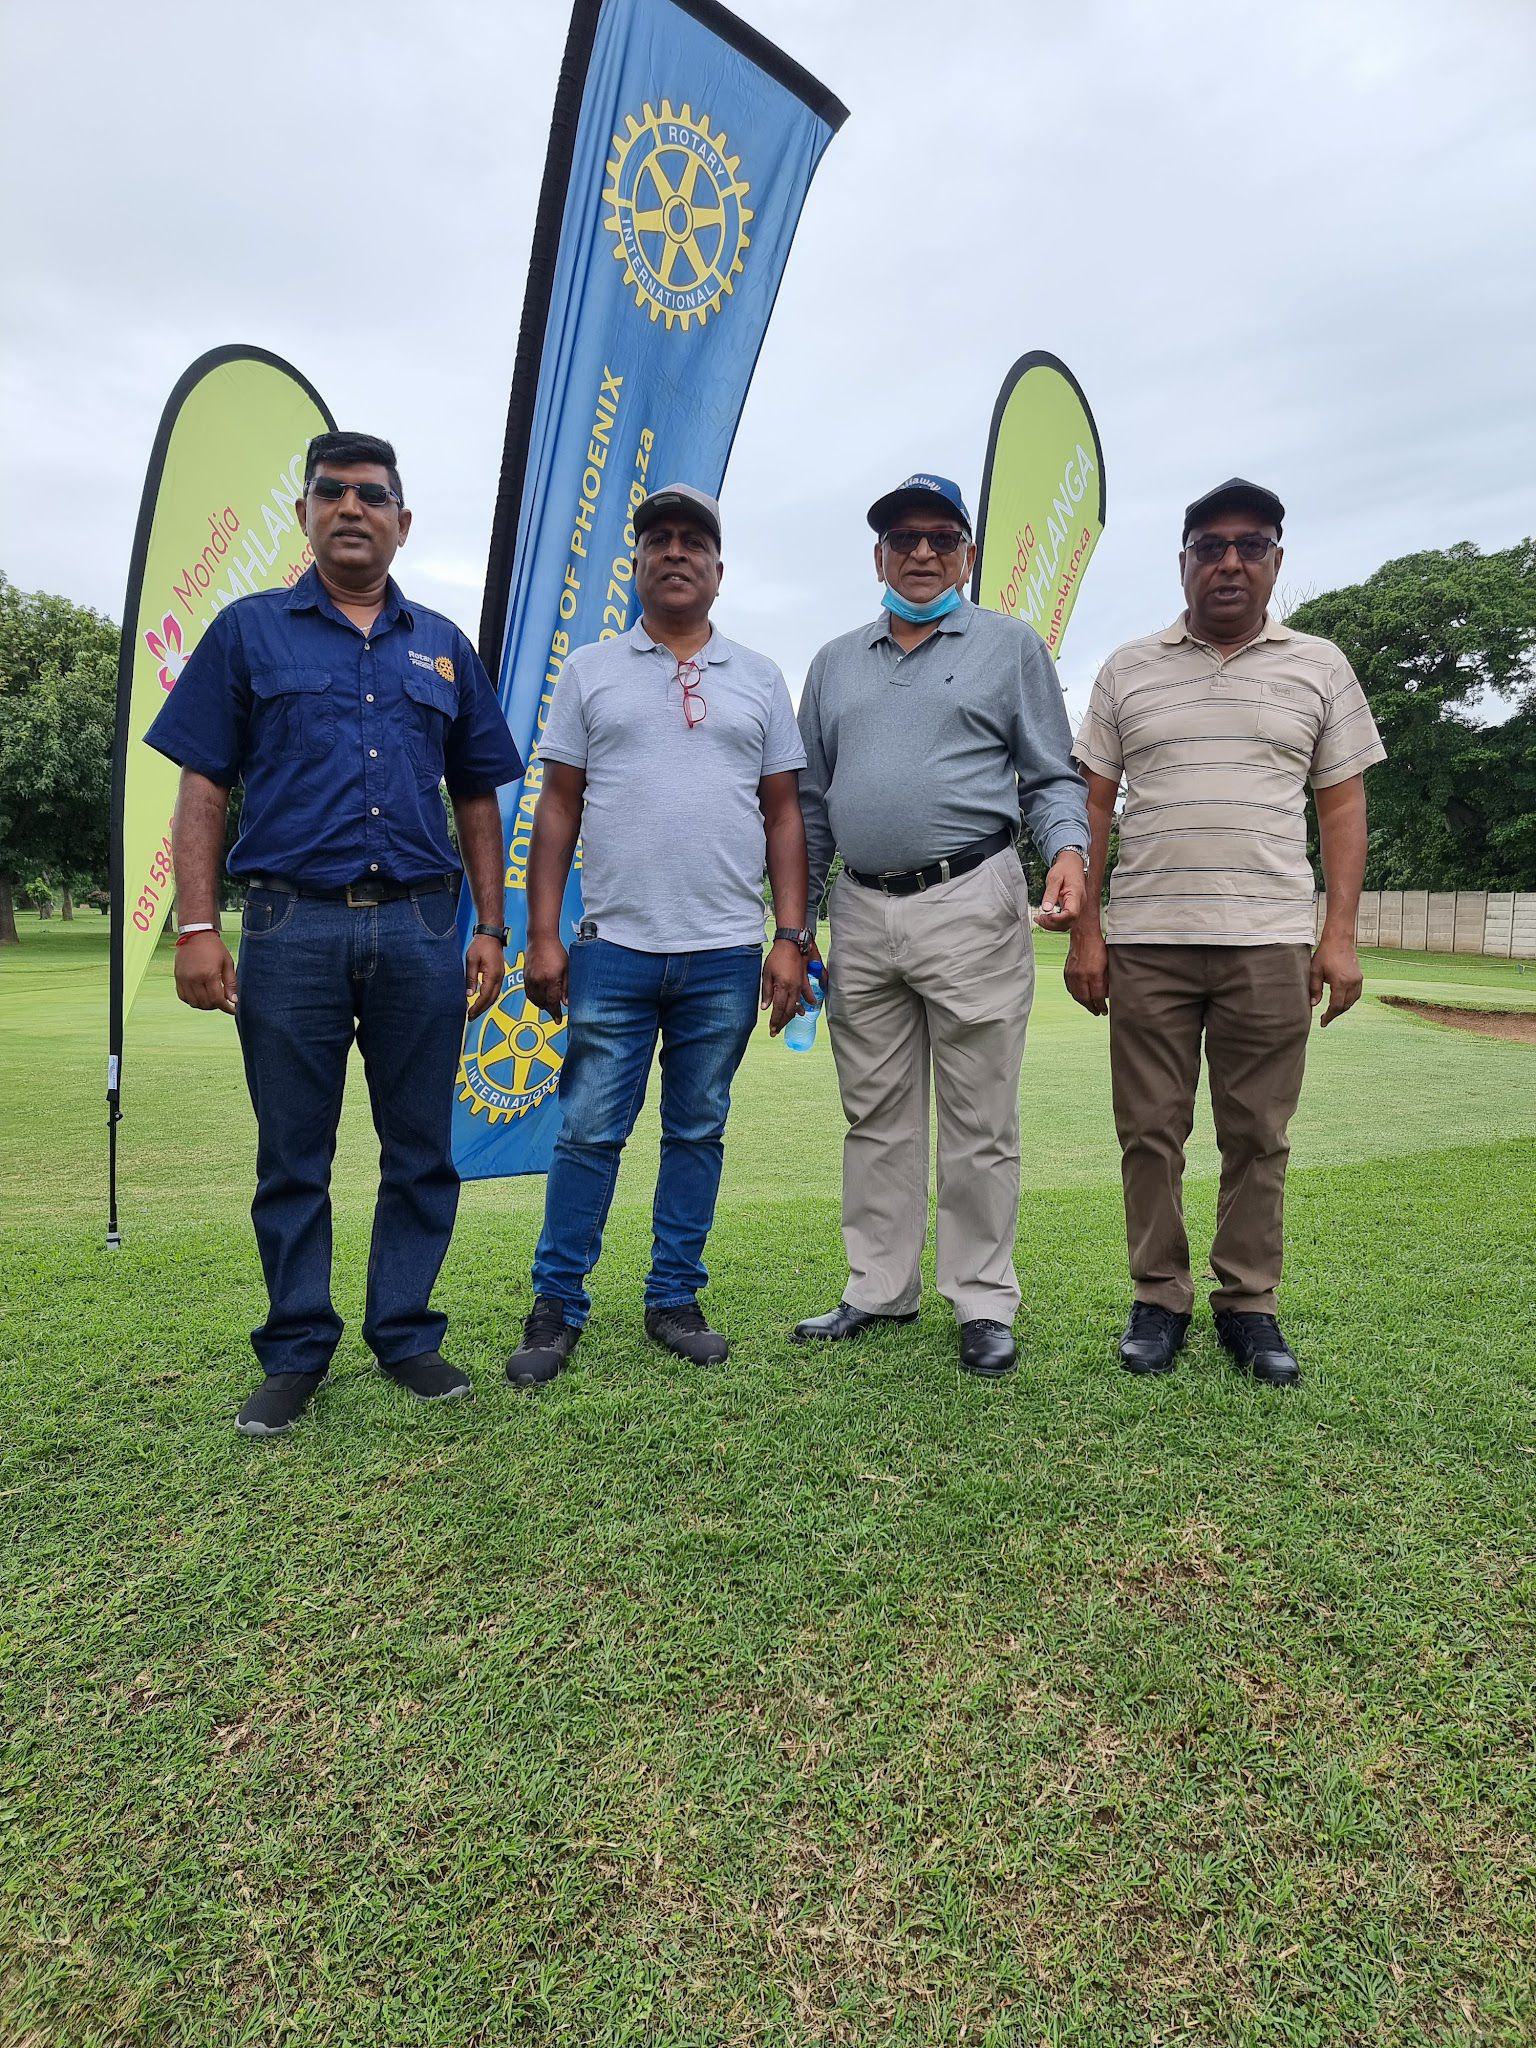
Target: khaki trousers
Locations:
point(942, 978)
point(1250, 1003)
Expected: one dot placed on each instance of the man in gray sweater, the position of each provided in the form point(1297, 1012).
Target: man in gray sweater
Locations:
point(926, 734)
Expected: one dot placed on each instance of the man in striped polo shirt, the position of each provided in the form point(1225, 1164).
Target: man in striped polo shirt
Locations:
point(1216, 726)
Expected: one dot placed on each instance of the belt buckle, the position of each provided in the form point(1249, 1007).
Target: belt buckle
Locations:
point(363, 901)
point(885, 878)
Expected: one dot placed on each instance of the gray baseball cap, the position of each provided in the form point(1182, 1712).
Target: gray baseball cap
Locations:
point(674, 501)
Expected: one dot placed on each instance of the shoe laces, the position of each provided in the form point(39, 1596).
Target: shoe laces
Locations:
point(986, 1323)
point(1144, 1313)
point(1256, 1324)
point(689, 1317)
point(545, 1321)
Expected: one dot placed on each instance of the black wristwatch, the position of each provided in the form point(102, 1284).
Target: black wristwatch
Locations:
point(803, 937)
point(498, 932)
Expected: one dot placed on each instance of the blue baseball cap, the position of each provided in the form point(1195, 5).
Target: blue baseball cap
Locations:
point(938, 493)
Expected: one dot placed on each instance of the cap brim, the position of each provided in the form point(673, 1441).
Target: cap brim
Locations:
point(1264, 503)
point(884, 510)
point(667, 507)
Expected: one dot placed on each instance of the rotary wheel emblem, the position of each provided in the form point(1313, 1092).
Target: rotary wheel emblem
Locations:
point(678, 213)
point(512, 1055)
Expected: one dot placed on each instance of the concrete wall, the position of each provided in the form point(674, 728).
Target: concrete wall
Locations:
point(1446, 921)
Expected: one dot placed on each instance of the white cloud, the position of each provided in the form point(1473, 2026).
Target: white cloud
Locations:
point(1295, 242)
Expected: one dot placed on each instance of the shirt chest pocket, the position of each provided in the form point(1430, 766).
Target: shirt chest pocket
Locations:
point(431, 705)
point(295, 711)
point(1288, 717)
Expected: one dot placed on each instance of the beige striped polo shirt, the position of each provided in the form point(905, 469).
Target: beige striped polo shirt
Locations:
point(1216, 757)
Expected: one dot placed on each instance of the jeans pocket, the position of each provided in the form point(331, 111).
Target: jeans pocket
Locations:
point(437, 912)
point(266, 911)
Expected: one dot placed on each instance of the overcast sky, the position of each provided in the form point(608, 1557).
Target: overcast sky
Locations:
point(1293, 241)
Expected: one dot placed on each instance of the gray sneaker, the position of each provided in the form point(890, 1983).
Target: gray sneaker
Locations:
point(278, 1403)
point(430, 1377)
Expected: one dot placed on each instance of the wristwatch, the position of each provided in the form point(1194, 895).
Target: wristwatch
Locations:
point(498, 932)
point(802, 936)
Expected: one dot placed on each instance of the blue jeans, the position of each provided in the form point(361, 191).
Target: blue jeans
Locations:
point(313, 975)
point(703, 1006)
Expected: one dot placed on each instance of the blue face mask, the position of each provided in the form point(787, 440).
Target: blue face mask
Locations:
point(921, 614)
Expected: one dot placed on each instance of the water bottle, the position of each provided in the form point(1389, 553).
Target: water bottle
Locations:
point(800, 1031)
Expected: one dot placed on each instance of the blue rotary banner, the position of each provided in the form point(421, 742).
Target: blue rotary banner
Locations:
point(681, 151)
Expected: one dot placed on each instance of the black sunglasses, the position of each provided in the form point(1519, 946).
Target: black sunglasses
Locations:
point(1251, 547)
point(332, 490)
point(905, 540)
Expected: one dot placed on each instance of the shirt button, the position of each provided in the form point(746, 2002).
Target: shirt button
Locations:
point(373, 753)
point(373, 867)
point(367, 647)
point(375, 810)
point(369, 698)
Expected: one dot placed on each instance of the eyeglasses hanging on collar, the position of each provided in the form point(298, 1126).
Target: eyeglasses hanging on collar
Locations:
point(695, 709)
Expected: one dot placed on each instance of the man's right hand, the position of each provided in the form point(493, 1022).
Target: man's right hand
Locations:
point(205, 973)
point(1087, 971)
point(545, 976)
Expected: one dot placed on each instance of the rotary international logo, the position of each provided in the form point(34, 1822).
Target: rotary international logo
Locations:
point(678, 213)
point(444, 667)
point(512, 1055)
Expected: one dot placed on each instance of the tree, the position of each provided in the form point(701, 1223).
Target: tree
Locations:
point(1436, 639)
point(58, 684)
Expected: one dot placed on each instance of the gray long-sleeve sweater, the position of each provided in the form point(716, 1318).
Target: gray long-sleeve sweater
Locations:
point(911, 757)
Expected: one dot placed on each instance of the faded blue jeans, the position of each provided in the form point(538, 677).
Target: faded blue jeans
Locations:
point(312, 975)
point(702, 1006)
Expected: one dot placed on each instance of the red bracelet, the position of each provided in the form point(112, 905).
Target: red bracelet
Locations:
point(186, 938)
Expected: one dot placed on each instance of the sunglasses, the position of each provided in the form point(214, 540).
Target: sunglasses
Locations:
point(330, 490)
point(695, 710)
point(906, 540)
point(1251, 547)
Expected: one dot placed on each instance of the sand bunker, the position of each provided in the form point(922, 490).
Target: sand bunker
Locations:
point(1518, 1025)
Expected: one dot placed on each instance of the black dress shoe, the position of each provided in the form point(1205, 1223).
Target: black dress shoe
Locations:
point(1153, 1338)
point(548, 1341)
point(843, 1321)
point(987, 1348)
point(430, 1377)
point(1257, 1345)
point(278, 1403)
point(684, 1332)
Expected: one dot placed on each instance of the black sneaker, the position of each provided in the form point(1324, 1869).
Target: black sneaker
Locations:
point(1257, 1345)
point(277, 1403)
point(430, 1377)
point(1153, 1338)
point(548, 1341)
point(685, 1334)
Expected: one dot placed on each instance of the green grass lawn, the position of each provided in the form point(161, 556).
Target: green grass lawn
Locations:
point(821, 1699)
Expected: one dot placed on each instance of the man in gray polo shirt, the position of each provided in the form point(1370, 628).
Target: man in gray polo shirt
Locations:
point(924, 734)
point(673, 753)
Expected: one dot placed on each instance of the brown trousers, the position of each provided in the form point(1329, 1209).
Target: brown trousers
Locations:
point(1250, 1004)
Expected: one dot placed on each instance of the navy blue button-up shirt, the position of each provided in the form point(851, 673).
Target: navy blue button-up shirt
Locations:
point(341, 738)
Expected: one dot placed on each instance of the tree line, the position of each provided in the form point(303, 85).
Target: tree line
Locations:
point(1444, 644)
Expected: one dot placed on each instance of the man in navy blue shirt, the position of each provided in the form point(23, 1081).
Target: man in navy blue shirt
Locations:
point(342, 709)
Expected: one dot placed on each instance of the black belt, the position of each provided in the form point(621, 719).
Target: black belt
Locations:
point(360, 895)
point(942, 871)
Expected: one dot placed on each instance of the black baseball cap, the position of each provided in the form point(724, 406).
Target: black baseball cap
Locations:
point(1236, 494)
point(675, 501)
point(936, 492)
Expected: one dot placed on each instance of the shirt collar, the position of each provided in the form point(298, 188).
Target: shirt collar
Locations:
point(1271, 629)
point(715, 649)
point(957, 621)
point(309, 594)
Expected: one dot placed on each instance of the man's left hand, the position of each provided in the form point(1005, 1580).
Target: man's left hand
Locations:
point(1066, 891)
point(485, 969)
point(1338, 964)
point(784, 983)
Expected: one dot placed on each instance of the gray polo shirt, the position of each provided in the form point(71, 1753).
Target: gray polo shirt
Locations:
point(672, 841)
point(911, 757)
